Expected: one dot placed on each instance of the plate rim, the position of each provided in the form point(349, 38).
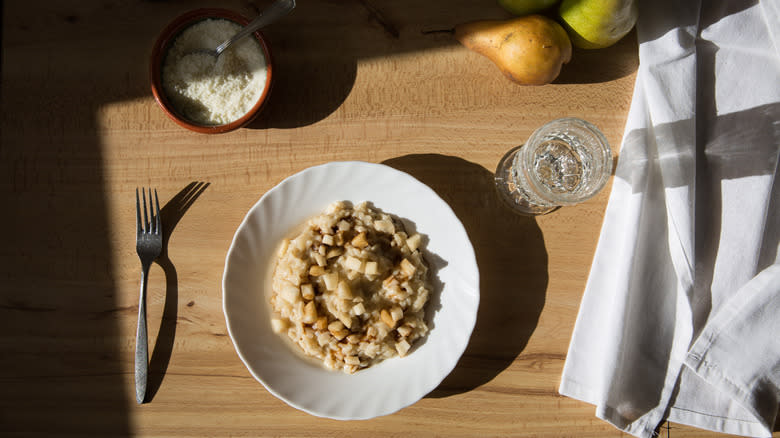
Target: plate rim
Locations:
point(317, 168)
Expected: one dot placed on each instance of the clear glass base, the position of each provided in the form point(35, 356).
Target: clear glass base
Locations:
point(508, 192)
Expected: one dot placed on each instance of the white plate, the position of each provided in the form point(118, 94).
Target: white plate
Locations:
point(395, 383)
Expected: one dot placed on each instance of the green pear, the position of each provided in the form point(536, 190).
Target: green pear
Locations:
point(525, 7)
point(595, 24)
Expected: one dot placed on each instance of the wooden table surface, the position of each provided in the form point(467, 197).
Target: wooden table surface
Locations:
point(356, 80)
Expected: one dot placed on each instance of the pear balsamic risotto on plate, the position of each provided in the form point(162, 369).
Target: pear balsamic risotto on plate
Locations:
point(209, 90)
point(350, 290)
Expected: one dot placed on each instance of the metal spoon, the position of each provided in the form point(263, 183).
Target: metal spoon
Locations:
point(277, 10)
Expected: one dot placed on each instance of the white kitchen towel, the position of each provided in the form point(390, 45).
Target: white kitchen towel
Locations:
point(680, 318)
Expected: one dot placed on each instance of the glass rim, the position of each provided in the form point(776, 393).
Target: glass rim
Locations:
point(584, 127)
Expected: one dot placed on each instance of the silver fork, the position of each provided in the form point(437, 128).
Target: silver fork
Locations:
point(149, 241)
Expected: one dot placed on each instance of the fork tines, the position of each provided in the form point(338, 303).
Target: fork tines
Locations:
point(147, 226)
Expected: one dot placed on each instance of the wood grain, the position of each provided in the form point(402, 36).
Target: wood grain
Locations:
point(357, 80)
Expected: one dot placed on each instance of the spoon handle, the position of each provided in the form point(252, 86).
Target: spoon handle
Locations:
point(277, 10)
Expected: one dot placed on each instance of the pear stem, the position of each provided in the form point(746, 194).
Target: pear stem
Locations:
point(428, 32)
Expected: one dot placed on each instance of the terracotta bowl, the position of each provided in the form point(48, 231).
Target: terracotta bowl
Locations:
point(164, 41)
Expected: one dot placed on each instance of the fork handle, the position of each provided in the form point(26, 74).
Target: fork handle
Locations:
point(141, 343)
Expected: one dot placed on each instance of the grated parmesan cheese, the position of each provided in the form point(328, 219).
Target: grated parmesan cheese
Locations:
point(208, 90)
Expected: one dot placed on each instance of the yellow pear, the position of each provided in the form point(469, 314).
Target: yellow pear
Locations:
point(529, 50)
point(595, 24)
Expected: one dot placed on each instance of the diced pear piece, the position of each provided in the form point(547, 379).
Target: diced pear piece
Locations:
point(307, 291)
point(310, 313)
point(402, 347)
point(316, 270)
point(358, 309)
point(407, 268)
point(414, 242)
point(387, 318)
point(384, 226)
point(371, 268)
point(337, 329)
point(290, 293)
point(331, 280)
point(278, 325)
point(360, 241)
point(334, 252)
point(404, 330)
point(321, 323)
point(396, 313)
point(344, 225)
point(344, 290)
point(353, 263)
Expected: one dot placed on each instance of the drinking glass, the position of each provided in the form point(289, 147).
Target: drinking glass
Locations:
point(564, 162)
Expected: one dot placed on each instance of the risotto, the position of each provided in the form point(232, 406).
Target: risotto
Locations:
point(350, 290)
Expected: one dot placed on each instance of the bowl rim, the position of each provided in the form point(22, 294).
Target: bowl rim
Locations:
point(169, 34)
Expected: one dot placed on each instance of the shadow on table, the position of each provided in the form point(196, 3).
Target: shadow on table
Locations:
point(170, 214)
point(602, 65)
point(67, 345)
point(512, 263)
point(312, 80)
